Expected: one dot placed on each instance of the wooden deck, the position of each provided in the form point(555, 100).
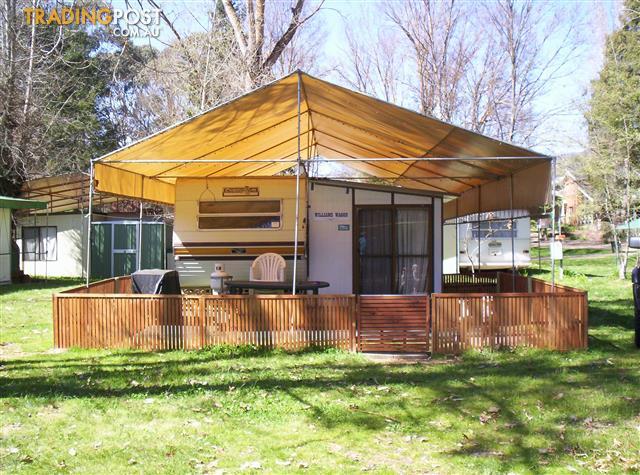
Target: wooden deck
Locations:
point(106, 314)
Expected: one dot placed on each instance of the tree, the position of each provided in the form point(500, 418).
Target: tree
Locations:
point(613, 165)
point(378, 70)
point(484, 66)
point(53, 85)
point(261, 51)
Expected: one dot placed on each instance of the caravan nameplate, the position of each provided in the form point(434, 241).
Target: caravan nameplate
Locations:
point(330, 215)
point(241, 191)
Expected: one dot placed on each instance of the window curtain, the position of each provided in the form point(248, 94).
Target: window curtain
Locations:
point(50, 250)
point(412, 250)
point(375, 249)
point(29, 243)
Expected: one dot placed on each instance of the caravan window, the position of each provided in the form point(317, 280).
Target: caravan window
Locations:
point(256, 214)
point(494, 229)
point(40, 243)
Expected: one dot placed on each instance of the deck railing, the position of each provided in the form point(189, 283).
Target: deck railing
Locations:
point(106, 314)
point(158, 322)
point(114, 285)
point(539, 320)
point(481, 283)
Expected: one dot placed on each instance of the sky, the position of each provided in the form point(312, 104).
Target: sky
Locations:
point(565, 134)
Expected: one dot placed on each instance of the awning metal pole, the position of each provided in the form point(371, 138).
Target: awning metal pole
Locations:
point(139, 244)
point(513, 248)
point(198, 161)
point(46, 254)
point(89, 218)
point(553, 224)
point(479, 227)
point(295, 232)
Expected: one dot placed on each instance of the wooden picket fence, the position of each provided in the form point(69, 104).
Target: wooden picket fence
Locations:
point(480, 283)
point(106, 314)
point(539, 320)
point(159, 322)
point(393, 323)
point(116, 285)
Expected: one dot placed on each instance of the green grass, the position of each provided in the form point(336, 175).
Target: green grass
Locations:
point(569, 253)
point(244, 410)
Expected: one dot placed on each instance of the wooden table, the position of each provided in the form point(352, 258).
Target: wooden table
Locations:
point(237, 286)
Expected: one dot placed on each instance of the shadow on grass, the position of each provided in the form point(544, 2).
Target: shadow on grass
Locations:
point(341, 391)
point(615, 313)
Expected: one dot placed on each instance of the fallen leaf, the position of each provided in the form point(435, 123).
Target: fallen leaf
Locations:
point(73, 452)
point(149, 400)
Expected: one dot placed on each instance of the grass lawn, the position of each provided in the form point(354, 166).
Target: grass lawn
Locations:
point(241, 410)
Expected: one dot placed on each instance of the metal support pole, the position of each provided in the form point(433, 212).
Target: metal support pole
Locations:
point(38, 252)
point(553, 223)
point(513, 247)
point(89, 218)
point(479, 228)
point(295, 232)
point(139, 243)
point(539, 248)
point(46, 255)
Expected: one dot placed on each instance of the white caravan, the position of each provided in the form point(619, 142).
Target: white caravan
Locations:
point(493, 237)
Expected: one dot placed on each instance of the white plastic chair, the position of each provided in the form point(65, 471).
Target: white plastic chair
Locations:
point(268, 267)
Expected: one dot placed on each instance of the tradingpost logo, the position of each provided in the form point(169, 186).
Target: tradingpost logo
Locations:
point(128, 22)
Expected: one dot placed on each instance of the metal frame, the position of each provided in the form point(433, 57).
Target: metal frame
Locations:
point(297, 221)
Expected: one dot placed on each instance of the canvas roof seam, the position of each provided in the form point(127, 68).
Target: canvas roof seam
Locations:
point(425, 154)
point(387, 151)
point(310, 115)
point(366, 131)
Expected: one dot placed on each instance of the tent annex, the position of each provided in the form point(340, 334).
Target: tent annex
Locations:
point(301, 120)
point(263, 132)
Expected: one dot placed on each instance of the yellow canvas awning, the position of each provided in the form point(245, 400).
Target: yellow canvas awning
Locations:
point(257, 135)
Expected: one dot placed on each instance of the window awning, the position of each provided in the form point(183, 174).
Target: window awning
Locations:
point(257, 135)
point(19, 203)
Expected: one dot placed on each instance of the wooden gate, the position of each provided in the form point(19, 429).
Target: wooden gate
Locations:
point(393, 323)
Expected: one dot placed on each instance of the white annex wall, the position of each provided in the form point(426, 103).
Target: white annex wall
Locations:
point(330, 238)
point(331, 249)
point(71, 245)
point(450, 248)
point(5, 246)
